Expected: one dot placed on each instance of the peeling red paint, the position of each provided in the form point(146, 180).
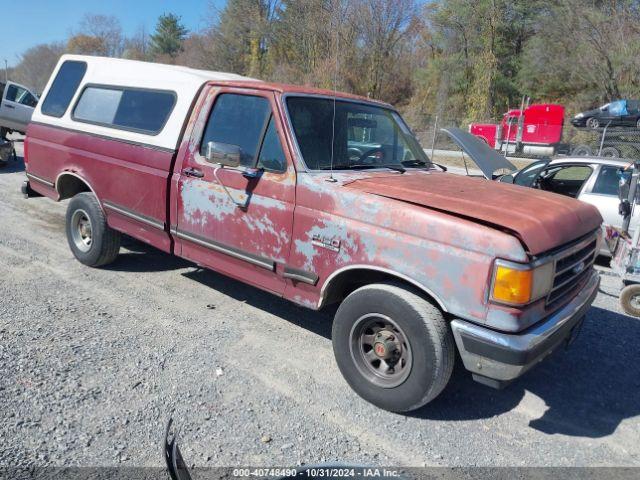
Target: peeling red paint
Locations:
point(437, 231)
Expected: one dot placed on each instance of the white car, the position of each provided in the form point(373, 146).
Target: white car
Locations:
point(593, 180)
point(17, 103)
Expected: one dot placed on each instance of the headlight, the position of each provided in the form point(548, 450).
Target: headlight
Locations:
point(520, 284)
point(580, 115)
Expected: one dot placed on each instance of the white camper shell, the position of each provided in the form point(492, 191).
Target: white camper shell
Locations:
point(105, 78)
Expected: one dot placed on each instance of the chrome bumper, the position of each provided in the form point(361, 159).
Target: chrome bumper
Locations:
point(495, 357)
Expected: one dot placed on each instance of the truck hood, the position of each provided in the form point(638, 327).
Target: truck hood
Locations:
point(485, 157)
point(541, 220)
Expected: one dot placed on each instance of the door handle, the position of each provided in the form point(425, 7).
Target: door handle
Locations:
point(9, 106)
point(193, 172)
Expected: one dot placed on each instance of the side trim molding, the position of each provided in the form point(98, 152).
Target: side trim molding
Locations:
point(152, 222)
point(40, 180)
point(299, 275)
point(257, 260)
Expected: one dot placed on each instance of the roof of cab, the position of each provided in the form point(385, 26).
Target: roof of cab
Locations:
point(183, 81)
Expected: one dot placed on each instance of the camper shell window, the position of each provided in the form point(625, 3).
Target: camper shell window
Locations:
point(63, 88)
point(125, 108)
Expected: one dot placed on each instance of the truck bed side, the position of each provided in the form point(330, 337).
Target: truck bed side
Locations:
point(130, 180)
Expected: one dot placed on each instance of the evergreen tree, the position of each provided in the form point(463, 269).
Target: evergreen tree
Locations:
point(169, 36)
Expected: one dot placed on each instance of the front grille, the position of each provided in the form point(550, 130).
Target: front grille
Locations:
point(572, 268)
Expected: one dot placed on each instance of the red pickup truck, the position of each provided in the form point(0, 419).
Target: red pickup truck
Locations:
point(321, 198)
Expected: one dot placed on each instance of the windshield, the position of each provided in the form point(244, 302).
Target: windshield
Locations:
point(365, 136)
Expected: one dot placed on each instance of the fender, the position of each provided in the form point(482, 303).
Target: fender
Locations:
point(330, 278)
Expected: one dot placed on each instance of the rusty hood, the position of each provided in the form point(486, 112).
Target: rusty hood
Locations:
point(541, 220)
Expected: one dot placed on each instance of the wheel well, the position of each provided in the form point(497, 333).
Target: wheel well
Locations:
point(69, 185)
point(350, 280)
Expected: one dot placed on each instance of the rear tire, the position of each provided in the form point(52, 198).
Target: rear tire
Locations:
point(389, 322)
point(630, 300)
point(610, 152)
point(91, 240)
point(581, 151)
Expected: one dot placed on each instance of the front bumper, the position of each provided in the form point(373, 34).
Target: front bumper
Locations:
point(496, 358)
point(579, 122)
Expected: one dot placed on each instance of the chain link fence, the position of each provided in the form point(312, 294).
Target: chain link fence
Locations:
point(527, 142)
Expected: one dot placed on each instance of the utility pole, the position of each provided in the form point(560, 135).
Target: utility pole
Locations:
point(6, 71)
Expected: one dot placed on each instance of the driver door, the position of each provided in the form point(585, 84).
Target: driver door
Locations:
point(564, 179)
point(230, 219)
point(17, 107)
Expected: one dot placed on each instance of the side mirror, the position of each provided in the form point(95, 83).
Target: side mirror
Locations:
point(223, 153)
point(508, 178)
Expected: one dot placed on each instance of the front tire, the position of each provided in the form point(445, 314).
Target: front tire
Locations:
point(593, 123)
point(393, 347)
point(91, 240)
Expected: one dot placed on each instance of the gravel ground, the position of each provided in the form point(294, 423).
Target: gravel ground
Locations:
point(94, 361)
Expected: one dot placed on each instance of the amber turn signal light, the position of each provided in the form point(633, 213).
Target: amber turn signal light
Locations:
point(511, 285)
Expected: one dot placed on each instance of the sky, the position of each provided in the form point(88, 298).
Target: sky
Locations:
point(41, 21)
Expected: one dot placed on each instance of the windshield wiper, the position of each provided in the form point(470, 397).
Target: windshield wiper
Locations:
point(358, 166)
point(420, 163)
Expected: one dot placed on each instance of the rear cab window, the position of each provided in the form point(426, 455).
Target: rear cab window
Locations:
point(139, 110)
point(63, 88)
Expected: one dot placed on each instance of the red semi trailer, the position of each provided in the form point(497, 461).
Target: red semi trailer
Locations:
point(535, 130)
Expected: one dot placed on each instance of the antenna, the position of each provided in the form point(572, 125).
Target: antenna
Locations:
point(335, 89)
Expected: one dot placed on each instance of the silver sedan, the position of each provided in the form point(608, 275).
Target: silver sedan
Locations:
point(593, 180)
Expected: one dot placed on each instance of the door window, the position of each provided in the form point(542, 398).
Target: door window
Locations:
point(527, 175)
point(63, 88)
point(607, 181)
point(271, 154)
point(238, 120)
point(565, 180)
point(15, 93)
point(29, 100)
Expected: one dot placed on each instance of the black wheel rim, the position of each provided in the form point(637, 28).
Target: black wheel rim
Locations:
point(380, 350)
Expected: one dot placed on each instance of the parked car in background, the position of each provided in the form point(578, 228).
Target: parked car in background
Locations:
point(17, 103)
point(621, 113)
point(591, 180)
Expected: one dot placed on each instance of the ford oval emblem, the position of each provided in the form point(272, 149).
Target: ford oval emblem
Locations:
point(578, 268)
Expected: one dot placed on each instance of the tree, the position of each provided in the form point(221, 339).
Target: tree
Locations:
point(169, 36)
point(382, 28)
point(590, 52)
point(105, 28)
point(36, 65)
point(87, 45)
point(136, 47)
point(238, 38)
